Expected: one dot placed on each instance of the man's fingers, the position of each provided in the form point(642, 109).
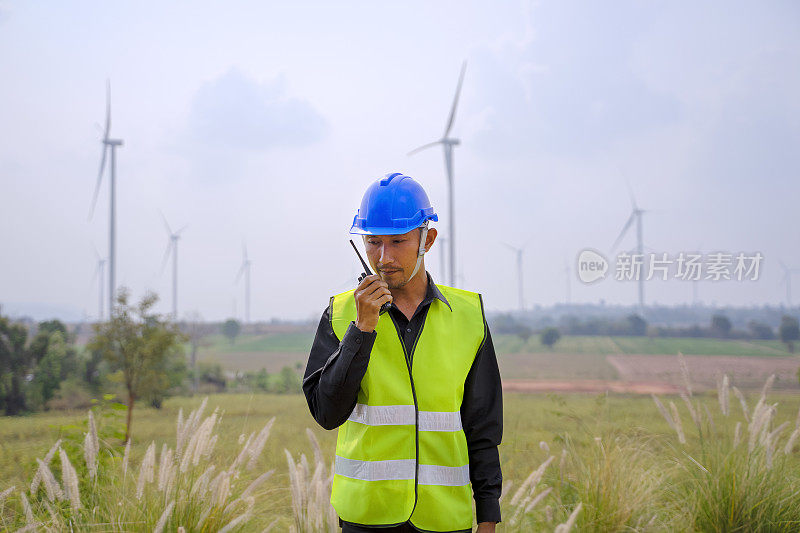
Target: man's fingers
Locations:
point(367, 281)
point(376, 289)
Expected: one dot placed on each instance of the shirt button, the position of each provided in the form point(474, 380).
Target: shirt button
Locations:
point(358, 340)
point(408, 330)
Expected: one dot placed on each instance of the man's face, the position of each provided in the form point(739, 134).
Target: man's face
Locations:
point(393, 256)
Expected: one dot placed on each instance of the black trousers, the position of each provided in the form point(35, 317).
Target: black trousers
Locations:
point(402, 528)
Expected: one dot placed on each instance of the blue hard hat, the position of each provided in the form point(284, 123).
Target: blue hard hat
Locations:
point(393, 205)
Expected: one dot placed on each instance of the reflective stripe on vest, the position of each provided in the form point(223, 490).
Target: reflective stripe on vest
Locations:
point(402, 469)
point(402, 453)
point(399, 415)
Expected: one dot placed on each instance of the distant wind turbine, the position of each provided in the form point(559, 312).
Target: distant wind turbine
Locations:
point(636, 215)
point(787, 279)
point(518, 252)
point(443, 258)
point(111, 145)
point(694, 287)
point(566, 272)
point(99, 274)
point(448, 143)
point(245, 269)
point(172, 248)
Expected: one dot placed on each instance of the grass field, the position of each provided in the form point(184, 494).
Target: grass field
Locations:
point(573, 357)
point(528, 420)
point(641, 345)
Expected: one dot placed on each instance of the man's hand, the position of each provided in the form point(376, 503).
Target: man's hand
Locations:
point(486, 527)
point(370, 294)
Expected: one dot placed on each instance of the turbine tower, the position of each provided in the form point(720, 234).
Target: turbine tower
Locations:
point(443, 257)
point(245, 269)
point(172, 248)
point(636, 214)
point(448, 143)
point(99, 274)
point(569, 291)
point(111, 145)
point(787, 279)
point(518, 253)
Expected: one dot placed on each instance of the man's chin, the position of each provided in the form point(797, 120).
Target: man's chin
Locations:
point(395, 280)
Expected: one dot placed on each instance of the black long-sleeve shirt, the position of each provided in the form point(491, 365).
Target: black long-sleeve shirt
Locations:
point(333, 377)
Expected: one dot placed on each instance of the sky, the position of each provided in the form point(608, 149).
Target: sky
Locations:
point(260, 124)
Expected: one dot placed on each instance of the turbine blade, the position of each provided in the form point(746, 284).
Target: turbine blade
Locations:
point(452, 117)
point(166, 224)
point(241, 271)
point(108, 109)
point(514, 248)
point(423, 147)
point(630, 193)
point(99, 180)
point(180, 230)
point(624, 229)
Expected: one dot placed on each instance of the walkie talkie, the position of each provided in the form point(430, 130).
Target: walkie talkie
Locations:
point(367, 272)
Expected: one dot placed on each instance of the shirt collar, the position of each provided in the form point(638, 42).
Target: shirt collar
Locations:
point(433, 292)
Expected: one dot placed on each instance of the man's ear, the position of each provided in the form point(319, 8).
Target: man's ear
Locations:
point(432, 233)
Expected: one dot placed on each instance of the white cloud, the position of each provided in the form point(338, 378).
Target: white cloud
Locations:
point(235, 111)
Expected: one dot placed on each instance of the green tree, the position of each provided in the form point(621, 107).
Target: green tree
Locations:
point(231, 329)
point(524, 332)
point(549, 337)
point(789, 331)
point(759, 330)
point(139, 343)
point(288, 381)
point(16, 363)
point(636, 325)
point(720, 325)
point(47, 375)
point(211, 373)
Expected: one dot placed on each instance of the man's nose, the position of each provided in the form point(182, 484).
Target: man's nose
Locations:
point(385, 258)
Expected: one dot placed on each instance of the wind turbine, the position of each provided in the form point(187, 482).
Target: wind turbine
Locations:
point(787, 279)
point(569, 291)
point(99, 273)
point(111, 145)
point(636, 214)
point(448, 143)
point(694, 286)
point(443, 257)
point(172, 247)
point(518, 252)
point(245, 269)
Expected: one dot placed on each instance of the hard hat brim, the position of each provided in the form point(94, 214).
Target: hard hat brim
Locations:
point(356, 230)
point(381, 231)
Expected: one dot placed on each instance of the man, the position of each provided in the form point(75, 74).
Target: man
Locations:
point(415, 391)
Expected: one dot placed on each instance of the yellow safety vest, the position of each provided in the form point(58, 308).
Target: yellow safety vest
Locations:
point(402, 454)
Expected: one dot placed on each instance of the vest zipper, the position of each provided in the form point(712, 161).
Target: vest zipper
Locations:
point(409, 359)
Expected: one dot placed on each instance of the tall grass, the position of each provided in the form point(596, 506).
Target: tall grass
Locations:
point(186, 486)
point(739, 476)
point(614, 485)
point(311, 492)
